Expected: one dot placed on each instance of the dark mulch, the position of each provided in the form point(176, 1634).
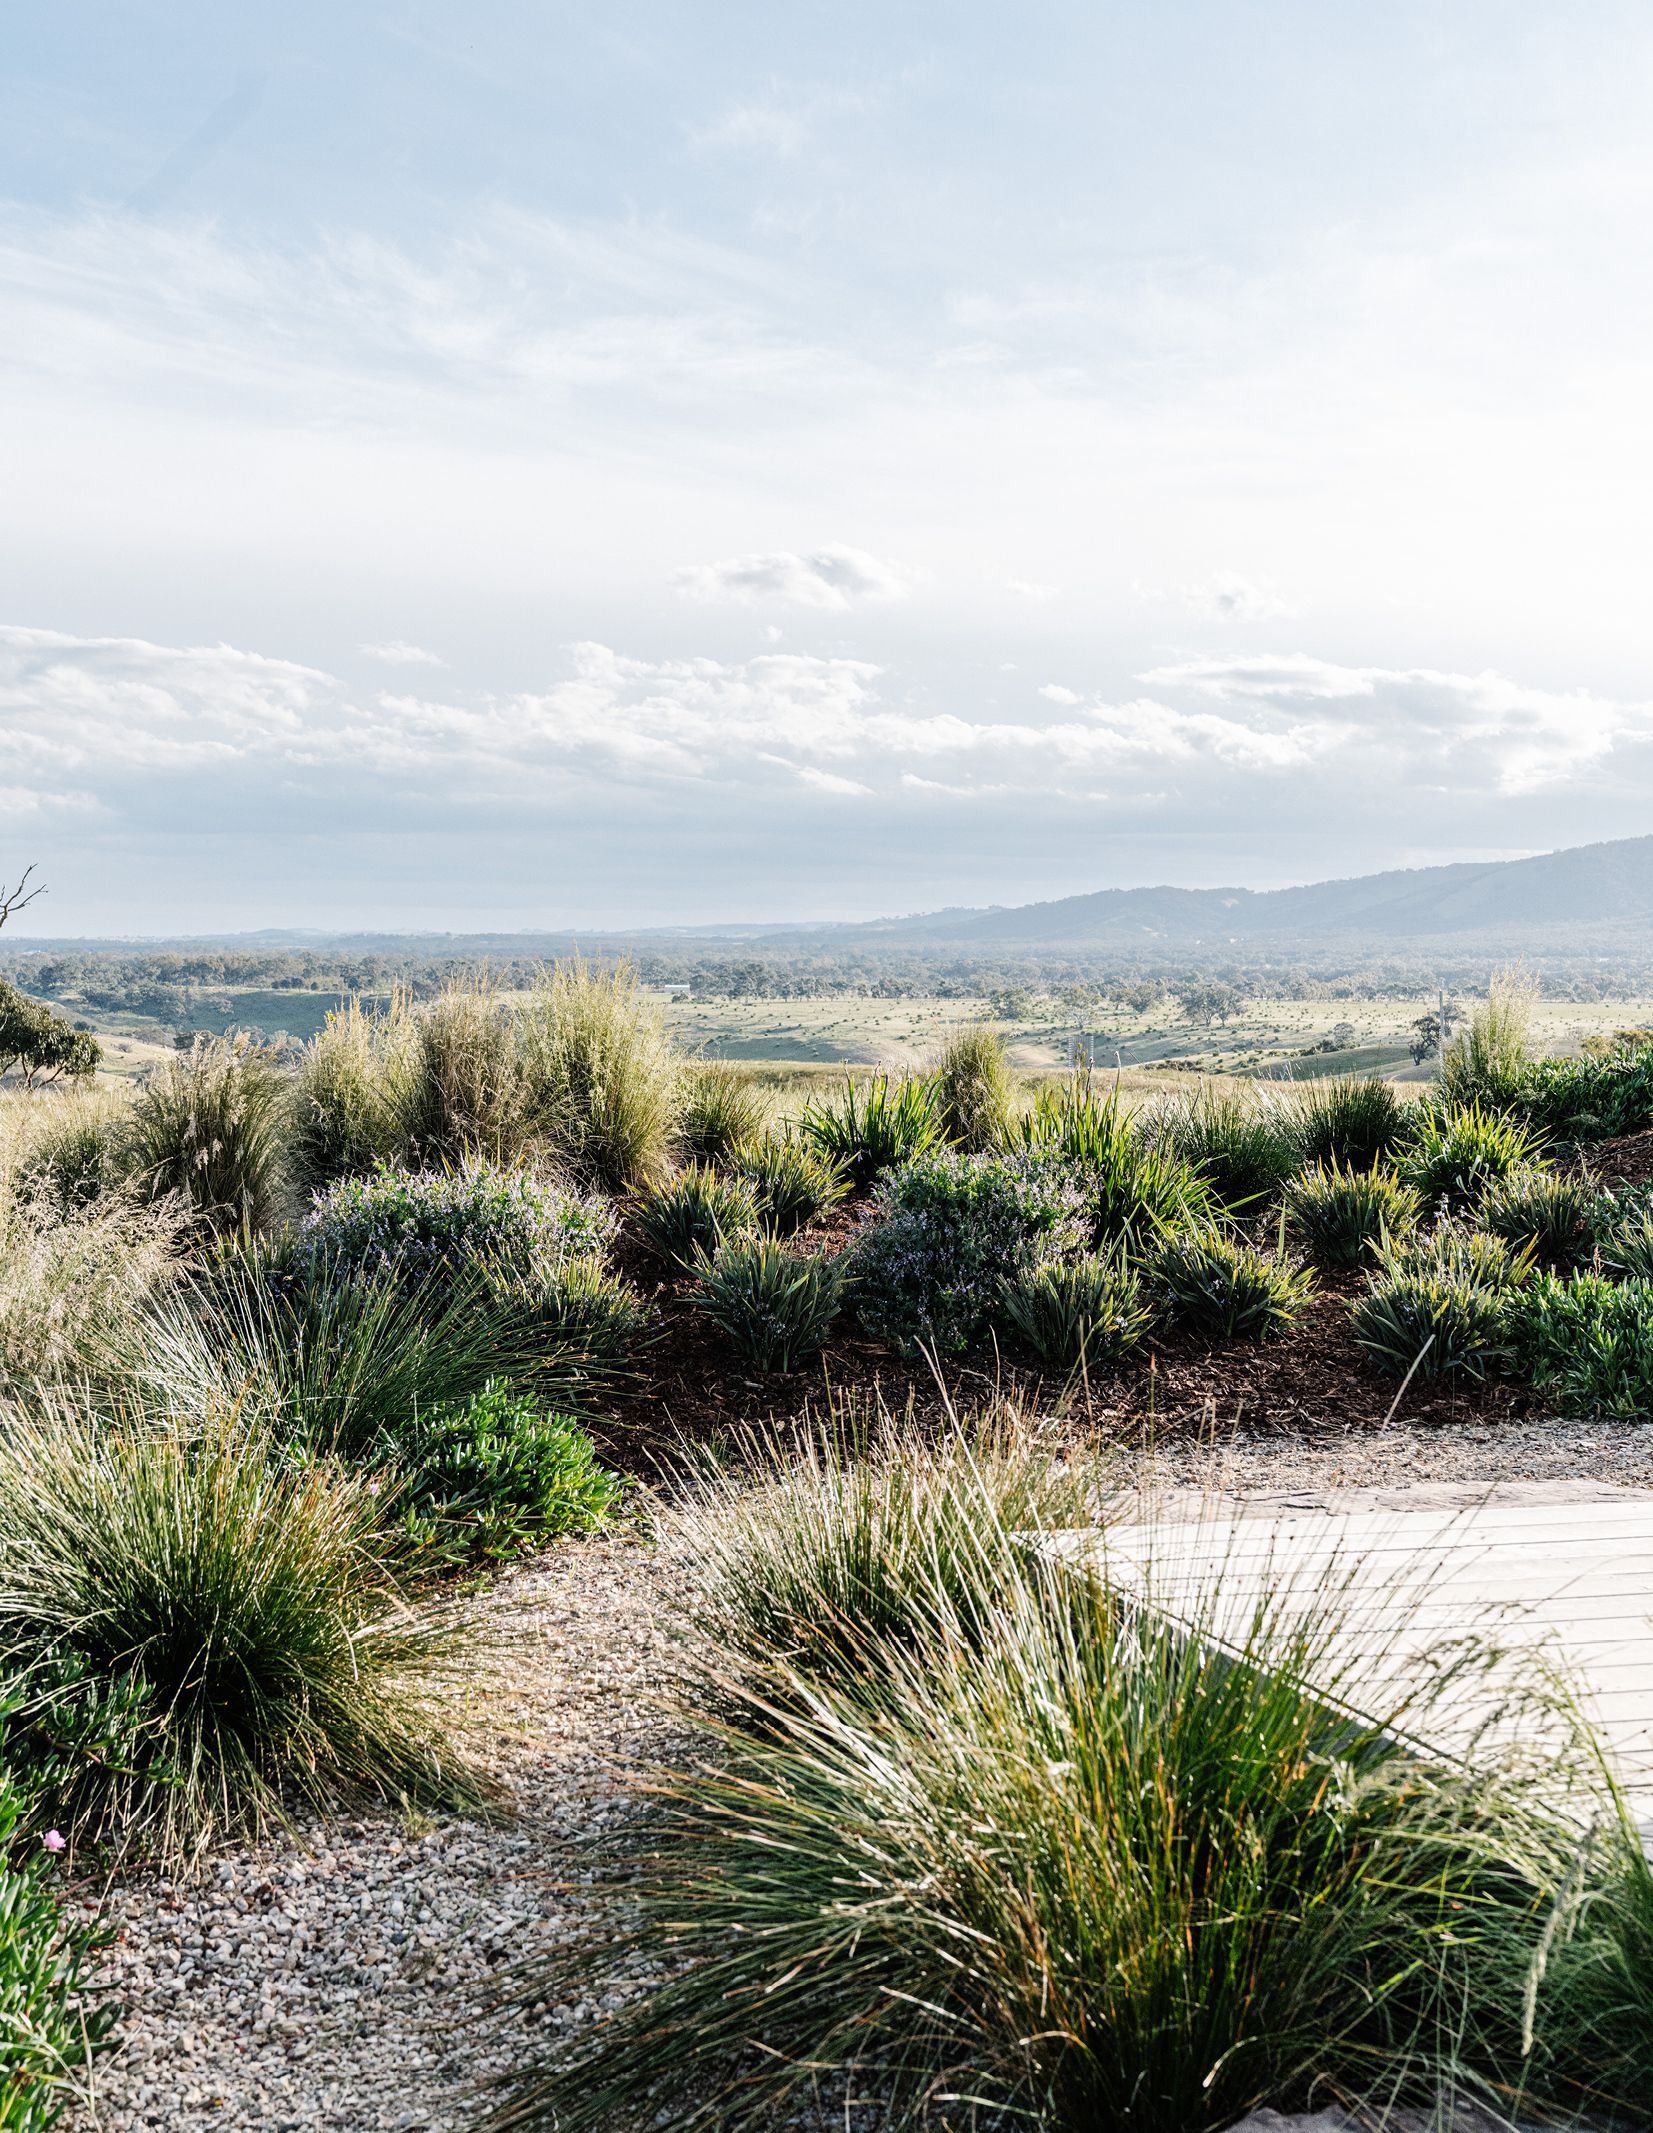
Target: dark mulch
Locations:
point(1626, 1161)
point(690, 1389)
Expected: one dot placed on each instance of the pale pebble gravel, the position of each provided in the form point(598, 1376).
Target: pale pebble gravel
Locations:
point(326, 1980)
point(329, 1978)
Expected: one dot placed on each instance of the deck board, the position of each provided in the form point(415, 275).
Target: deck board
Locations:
point(1566, 1581)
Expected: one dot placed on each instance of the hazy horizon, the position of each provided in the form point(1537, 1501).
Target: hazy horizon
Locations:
point(563, 470)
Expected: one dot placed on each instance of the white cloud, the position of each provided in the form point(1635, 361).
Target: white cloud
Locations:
point(1031, 589)
point(834, 577)
point(212, 735)
point(397, 654)
point(772, 125)
point(1055, 693)
point(1227, 597)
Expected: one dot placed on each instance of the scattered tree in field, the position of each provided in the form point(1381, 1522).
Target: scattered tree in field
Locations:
point(1208, 1000)
point(40, 1045)
point(1142, 995)
point(34, 1040)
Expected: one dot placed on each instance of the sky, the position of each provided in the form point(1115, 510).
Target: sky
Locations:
point(534, 465)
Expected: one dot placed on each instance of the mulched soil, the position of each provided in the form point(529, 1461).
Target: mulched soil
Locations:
point(690, 1390)
point(1626, 1161)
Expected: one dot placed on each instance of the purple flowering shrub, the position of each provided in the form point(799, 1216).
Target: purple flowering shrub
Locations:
point(473, 1220)
point(946, 1233)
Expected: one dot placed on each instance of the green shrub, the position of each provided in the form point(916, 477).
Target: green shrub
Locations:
point(53, 2022)
point(1587, 1344)
point(874, 1126)
point(1342, 1214)
point(773, 1307)
point(1225, 1290)
point(693, 1213)
point(791, 1183)
point(965, 1827)
point(1554, 1215)
point(1459, 1152)
point(1354, 1124)
point(435, 1226)
point(600, 1079)
point(974, 1090)
point(1242, 1148)
point(1436, 1308)
point(529, 1252)
point(1135, 1193)
point(947, 1233)
point(210, 1128)
point(723, 1112)
point(1084, 1314)
point(248, 1596)
point(495, 1478)
point(1593, 1099)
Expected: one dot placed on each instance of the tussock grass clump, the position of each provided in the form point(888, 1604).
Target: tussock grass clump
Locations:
point(72, 1279)
point(1587, 1343)
point(68, 1146)
point(865, 1522)
point(1351, 1122)
point(968, 1827)
point(1243, 1148)
point(247, 1598)
point(458, 1091)
point(723, 1112)
point(1436, 1307)
point(693, 1213)
point(349, 1364)
point(1547, 1213)
point(1342, 1215)
point(874, 1125)
point(1458, 1152)
point(353, 1092)
point(210, 1129)
point(1225, 1290)
point(601, 1082)
point(793, 1184)
point(1486, 1062)
point(774, 1307)
point(1135, 1192)
point(1085, 1314)
point(1627, 1240)
point(974, 1089)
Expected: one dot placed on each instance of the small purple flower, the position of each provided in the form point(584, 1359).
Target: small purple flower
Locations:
point(55, 1841)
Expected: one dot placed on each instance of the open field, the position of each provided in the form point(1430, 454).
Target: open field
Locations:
point(1264, 1036)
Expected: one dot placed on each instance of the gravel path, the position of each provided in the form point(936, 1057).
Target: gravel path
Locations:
point(321, 1981)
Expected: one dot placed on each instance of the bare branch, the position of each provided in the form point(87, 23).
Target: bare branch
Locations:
point(17, 899)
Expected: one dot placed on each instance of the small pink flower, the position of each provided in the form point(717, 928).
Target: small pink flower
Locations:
point(55, 1841)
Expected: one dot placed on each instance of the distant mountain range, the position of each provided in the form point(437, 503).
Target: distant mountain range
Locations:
point(1593, 896)
point(1552, 900)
